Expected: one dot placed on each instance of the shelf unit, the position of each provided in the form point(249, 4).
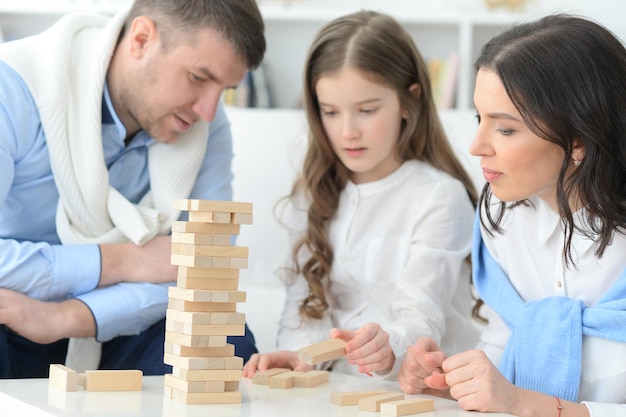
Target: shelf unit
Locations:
point(438, 28)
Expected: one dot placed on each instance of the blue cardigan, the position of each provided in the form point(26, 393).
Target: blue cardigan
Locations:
point(544, 352)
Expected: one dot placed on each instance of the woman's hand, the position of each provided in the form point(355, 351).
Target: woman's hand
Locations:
point(422, 360)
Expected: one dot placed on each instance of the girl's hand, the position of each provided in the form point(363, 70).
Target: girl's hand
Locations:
point(368, 348)
point(279, 359)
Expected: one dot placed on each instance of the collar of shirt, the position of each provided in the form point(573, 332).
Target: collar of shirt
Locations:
point(114, 131)
point(550, 226)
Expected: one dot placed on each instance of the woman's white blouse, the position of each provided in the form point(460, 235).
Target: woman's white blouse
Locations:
point(400, 246)
point(530, 253)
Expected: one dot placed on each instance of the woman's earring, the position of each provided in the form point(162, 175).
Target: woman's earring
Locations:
point(576, 162)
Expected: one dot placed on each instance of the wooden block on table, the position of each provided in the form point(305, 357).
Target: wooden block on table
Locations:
point(262, 377)
point(205, 228)
point(352, 397)
point(373, 403)
point(205, 329)
point(207, 374)
point(207, 284)
point(206, 250)
point(113, 380)
point(171, 381)
point(201, 295)
point(321, 352)
point(212, 206)
point(194, 341)
point(231, 397)
point(208, 273)
point(227, 350)
point(310, 379)
point(203, 307)
point(202, 239)
point(63, 377)
point(407, 406)
point(282, 380)
point(200, 362)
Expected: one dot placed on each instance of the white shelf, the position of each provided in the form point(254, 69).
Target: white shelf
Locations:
point(439, 29)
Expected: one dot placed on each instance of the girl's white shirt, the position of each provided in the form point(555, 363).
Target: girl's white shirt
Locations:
point(530, 253)
point(400, 246)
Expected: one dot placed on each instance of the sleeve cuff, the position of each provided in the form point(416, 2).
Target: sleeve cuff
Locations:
point(76, 268)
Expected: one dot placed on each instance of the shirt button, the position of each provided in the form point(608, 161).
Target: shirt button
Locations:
point(559, 284)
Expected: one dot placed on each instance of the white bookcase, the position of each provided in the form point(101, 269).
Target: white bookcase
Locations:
point(439, 27)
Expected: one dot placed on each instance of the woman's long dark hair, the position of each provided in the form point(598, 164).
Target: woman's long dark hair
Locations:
point(567, 77)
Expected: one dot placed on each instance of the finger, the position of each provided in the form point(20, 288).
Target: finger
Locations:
point(435, 359)
point(251, 366)
point(345, 335)
point(436, 381)
point(302, 367)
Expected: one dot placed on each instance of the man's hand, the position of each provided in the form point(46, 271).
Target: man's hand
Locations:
point(45, 322)
point(127, 262)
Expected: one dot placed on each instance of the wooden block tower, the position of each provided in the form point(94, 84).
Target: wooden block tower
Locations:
point(202, 309)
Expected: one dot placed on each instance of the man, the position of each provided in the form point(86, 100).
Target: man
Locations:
point(103, 124)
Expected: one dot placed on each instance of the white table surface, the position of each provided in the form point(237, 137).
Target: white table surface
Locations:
point(36, 398)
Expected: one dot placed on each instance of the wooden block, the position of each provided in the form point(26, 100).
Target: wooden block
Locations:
point(239, 263)
point(231, 397)
point(171, 381)
point(204, 307)
point(262, 377)
point(282, 380)
point(213, 205)
point(193, 261)
point(227, 350)
point(194, 341)
point(113, 380)
point(203, 239)
point(208, 273)
point(205, 250)
point(200, 362)
point(194, 317)
point(310, 379)
point(63, 377)
point(231, 385)
point(207, 284)
point(210, 217)
point(205, 329)
point(352, 397)
point(208, 261)
point(201, 295)
point(407, 406)
point(373, 403)
point(207, 374)
point(205, 228)
point(321, 352)
point(241, 218)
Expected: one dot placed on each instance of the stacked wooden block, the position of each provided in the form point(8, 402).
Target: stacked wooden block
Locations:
point(202, 308)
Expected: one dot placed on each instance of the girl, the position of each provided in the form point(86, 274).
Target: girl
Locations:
point(549, 258)
point(381, 216)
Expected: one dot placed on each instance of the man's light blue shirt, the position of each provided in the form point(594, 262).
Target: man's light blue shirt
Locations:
point(32, 259)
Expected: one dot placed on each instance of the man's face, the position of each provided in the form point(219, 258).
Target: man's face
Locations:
point(169, 90)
